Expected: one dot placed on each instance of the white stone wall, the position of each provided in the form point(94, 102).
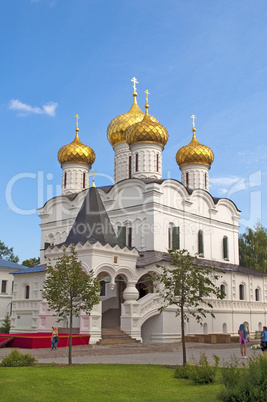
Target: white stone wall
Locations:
point(5, 298)
point(25, 312)
point(152, 208)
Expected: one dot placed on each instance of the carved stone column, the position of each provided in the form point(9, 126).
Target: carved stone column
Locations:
point(130, 312)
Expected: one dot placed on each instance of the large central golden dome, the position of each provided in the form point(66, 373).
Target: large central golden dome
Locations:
point(148, 130)
point(76, 151)
point(194, 152)
point(118, 126)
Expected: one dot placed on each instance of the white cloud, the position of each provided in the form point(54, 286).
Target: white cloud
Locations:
point(224, 181)
point(24, 109)
point(227, 185)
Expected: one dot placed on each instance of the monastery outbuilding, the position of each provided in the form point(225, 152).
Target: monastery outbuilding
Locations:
point(122, 231)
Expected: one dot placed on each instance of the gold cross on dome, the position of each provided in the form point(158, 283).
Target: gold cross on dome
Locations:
point(77, 117)
point(134, 80)
point(93, 176)
point(193, 117)
point(147, 93)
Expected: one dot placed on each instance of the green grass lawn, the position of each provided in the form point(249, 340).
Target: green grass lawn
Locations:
point(99, 382)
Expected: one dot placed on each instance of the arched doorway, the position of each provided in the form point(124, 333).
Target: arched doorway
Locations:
point(144, 285)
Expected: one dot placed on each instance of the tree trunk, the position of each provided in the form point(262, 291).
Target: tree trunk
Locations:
point(183, 336)
point(70, 340)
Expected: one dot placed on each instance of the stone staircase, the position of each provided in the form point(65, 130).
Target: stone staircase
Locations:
point(111, 332)
point(114, 336)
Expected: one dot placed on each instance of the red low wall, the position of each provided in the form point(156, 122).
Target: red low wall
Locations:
point(43, 340)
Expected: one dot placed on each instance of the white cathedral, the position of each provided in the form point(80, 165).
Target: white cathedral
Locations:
point(122, 231)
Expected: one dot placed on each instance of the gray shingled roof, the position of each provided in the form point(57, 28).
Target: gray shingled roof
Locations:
point(155, 257)
point(92, 223)
point(10, 265)
point(26, 270)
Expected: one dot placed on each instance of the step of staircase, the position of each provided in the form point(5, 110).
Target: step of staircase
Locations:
point(114, 336)
point(111, 318)
point(6, 342)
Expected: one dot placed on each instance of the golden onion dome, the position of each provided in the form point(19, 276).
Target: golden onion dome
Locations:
point(148, 130)
point(118, 126)
point(76, 151)
point(194, 152)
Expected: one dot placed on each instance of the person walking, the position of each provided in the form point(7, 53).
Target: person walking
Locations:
point(243, 340)
point(54, 338)
point(264, 339)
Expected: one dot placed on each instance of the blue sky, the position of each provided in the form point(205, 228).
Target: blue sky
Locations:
point(62, 57)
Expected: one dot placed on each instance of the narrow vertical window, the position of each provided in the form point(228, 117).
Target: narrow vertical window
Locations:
point(122, 235)
point(130, 166)
point(170, 238)
point(27, 292)
point(176, 238)
point(187, 179)
point(241, 292)
point(129, 237)
point(200, 243)
point(136, 162)
point(3, 287)
point(223, 290)
point(205, 181)
point(225, 248)
point(83, 179)
point(103, 288)
point(157, 162)
point(65, 179)
point(257, 294)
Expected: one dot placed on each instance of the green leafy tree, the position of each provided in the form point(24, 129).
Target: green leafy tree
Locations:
point(7, 253)
point(187, 286)
point(68, 289)
point(253, 248)
point(5, 327)
point(31, 262)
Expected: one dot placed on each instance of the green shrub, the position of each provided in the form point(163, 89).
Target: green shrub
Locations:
point(182, 371)
point(245, 383)
point(203, 372)
point(17, 359)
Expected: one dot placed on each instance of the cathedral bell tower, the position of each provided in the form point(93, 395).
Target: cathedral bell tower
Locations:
point(76, 160)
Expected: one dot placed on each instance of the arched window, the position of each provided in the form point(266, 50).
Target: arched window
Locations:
point(224, 328)
point(225, 248)
point(174, 238)
point(205, 181)
point(241, 292)
point(157, 162)
point(27, 292)
point(124, 235)
point(223, 289)
point(200, 244)
point(257, 294)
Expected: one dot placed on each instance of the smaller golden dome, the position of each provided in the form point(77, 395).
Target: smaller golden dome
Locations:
point(117, 127)
point(76, 151)
point(194, 152)
point(148, 130)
